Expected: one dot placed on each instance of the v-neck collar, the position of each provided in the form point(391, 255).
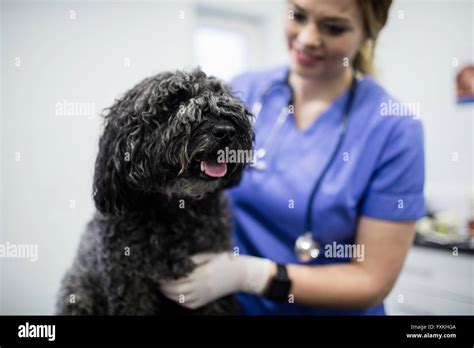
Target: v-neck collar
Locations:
point(336, 107)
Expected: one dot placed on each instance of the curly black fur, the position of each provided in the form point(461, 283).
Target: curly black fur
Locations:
point(155, 206)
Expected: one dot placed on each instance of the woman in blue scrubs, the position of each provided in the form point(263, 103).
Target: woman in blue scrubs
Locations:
point(370, 190)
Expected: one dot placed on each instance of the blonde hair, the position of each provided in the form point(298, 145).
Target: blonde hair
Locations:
point(374, 16)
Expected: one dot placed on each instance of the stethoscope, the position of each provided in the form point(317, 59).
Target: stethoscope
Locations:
point(306, 248)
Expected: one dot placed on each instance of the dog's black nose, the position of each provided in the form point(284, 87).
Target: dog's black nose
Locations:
point(222, 132)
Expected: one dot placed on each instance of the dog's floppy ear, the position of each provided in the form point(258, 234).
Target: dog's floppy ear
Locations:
point(111, 193)
point(126, 170)
point(124, 173)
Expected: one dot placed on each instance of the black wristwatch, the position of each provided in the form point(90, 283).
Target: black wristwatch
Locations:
point(280, 285)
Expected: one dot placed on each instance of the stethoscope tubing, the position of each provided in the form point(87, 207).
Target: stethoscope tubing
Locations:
point(342, 133)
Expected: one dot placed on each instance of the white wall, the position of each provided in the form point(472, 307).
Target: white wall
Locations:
point(79, 60)
point(1, 159)
point(82, 60)
point(269, 14)
point(415, 59)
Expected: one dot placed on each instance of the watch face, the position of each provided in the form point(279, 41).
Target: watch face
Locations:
point(280, 285)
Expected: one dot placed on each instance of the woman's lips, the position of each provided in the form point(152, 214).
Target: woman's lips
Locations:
point(305, 59)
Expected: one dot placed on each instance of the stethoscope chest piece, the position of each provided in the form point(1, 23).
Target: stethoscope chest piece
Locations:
point(261, 152)
point(306, 248)
point(258, 160)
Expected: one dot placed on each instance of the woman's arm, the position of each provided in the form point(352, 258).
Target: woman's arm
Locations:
point(349, 285)
point(358, 284)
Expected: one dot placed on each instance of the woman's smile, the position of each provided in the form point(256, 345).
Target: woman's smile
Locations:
point(306, 59)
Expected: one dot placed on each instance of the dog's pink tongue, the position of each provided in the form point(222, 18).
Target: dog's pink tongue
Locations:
point(215, 169)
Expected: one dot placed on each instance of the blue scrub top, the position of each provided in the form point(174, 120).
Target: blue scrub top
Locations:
point(378, 173)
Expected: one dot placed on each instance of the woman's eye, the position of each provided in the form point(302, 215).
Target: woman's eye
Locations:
point(335, 30)
point(299, 17)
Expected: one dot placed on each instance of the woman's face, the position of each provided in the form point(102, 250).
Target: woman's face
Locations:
point(321, 33)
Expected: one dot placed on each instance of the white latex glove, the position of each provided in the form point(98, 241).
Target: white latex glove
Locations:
point(218, 275)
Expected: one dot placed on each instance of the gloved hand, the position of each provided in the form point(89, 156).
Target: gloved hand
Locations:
point(218, 275)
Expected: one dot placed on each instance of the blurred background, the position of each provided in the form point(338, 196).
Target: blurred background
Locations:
point(63, 62)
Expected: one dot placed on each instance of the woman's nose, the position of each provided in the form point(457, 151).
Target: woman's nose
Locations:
point(309, 36)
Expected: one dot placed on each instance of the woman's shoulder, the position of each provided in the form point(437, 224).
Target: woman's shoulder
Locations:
point(384, 111)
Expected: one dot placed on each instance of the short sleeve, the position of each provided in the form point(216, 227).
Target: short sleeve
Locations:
point(242, 87)
point(395, 191)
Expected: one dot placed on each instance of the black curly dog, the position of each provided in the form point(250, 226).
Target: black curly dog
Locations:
point(158, 192)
